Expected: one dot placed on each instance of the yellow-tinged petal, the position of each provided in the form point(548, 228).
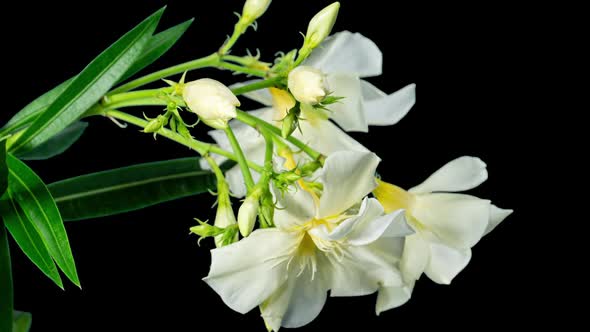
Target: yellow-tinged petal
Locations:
point(393, 197)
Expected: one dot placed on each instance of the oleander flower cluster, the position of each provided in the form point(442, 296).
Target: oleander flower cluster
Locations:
point(316, 220)
point(300, 211)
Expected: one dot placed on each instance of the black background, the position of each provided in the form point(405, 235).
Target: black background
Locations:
point(142, 270)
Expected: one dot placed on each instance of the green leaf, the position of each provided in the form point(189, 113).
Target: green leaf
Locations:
point(38, 205)
point(158, 45)
point(28, 114)
point(90, 85)
point(56, 144)
point(28, 237)
point(130, 188)
point(3, 168)
point(6, 298)
point(22, 321)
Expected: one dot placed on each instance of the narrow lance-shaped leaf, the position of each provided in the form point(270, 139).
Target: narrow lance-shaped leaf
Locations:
point(158, 45)
point(6, 300)
point(130, 188)
point(3, 168)
point(22, 321)
point(39, 207)
point(90, 85)
point(56, 144)
point(36, 107)
point(28, 238)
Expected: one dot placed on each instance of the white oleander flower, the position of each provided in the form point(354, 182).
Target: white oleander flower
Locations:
point(345, 58)
point(308, 85)
point(212, 101)
point(337, 241)
point(447, 225)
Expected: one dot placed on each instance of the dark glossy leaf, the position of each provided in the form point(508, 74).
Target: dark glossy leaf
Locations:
point(158, 45)
point(28, 114)
point(3, 168)
point(56, 144)
point(6, 298)
point(130, 188)
point(28, 238)
point(22, 321)
point(90, 85)
point(38, 205)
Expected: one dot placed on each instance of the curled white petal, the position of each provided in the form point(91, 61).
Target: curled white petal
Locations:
point(347, 176)
point(458, 220)
point(446, 262)
point(347, 52)
point(381, 109)
point(461, 174)
point(348, 112)
point(393, 297)
point(497, 215)
point(247, 272)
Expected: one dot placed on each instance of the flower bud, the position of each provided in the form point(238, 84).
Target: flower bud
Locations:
point(253, 9)
point(225, 214)
point(212, 101)
point(153, 126)
point(308, 85)
point(290, 123)
point(267, 210)
point(321, 25)
point(248, 212)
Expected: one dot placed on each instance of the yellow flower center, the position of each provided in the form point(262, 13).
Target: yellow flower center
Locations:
point(393, 197)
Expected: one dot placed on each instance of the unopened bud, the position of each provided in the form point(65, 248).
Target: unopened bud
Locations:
point(248, 212)
point(155, 124)
point(212, 101)
point(321, 25)
point(308, 85)
point(290, 122)
point(267, 210)
point(253, 9)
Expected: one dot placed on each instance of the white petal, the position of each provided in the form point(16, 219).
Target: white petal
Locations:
point(369, 230)
point(347, 176)
point(457, 220)
point(496, 217)
point(347, 52)
point(446, 262)
point(307, 299)
point(262, 95)
point(327, 138)
point(348, 112)
point(388, 109)
point(415, 257)
point(370, 209)
point(247, 272)
point(361, 271)
point(461, 174)
point(294, 208)
point(393, 297)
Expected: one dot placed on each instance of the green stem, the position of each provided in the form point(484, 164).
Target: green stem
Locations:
point(239, 29)
point(254, 122)
point(237, 59)
point(242, 161)
point(201, 147)
point(241, 69)
point(268, 83)
point(208, 61)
